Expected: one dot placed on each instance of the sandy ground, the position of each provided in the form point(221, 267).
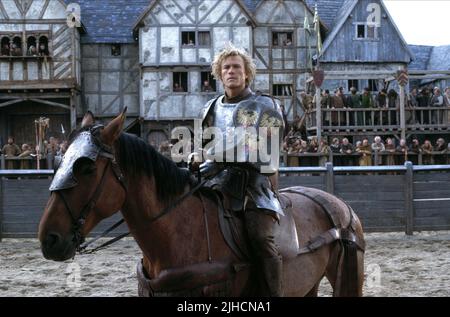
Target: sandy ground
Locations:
point(396, 265)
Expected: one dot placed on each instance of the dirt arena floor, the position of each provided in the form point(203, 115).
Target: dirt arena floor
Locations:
point(396, 265)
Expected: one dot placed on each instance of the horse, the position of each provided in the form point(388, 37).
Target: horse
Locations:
point(184, 247)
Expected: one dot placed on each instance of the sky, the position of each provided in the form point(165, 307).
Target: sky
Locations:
point(422, 22)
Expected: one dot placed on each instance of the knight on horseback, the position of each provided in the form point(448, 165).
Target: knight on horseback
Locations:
point(249, 183)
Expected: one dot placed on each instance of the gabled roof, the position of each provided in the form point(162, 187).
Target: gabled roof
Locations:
point(144, 13)
point(422, 55)
point(327, 9)
point(343, 14)
point(109, 21)
point(439, 58)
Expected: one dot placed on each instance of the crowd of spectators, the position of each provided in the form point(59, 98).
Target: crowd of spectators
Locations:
point(25, 156)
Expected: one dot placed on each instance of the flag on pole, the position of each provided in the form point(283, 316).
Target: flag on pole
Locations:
point(308, 43)
point(317, 30)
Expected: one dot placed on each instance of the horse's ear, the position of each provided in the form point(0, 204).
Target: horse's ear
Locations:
point(88, 119)
point(112, 131)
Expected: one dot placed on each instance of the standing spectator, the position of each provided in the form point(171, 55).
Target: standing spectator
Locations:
point(414, 116)
point(423, 100)
point(366, 153)
point(165, 149)
point(285, 120)
point(335, 148)
point(447, 103)
point(325, 103)
point(378, 147)
point(354, 102)
point(392, 104)
point(206, 87)
point(338, 118)
point(367, 102)
point(390, 148)
point(427, 153)
point(382, 104)
point(10, 150)
point(437, 101)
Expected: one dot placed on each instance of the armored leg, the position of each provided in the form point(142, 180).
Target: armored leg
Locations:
point(260, 228)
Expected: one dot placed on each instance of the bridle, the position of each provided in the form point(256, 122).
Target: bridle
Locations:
point(107, 152)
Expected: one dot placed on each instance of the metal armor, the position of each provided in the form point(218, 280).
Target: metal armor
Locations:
point(83, 146)
point(254, 112)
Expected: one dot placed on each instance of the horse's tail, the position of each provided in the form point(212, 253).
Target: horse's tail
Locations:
point(350, 270)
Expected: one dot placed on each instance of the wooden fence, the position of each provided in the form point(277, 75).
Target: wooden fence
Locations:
point(386, 198)
point(23, 196)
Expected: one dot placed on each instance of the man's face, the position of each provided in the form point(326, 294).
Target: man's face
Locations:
point(233, 72)
point(10, 141)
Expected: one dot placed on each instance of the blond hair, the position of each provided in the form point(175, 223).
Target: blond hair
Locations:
point(230, 50)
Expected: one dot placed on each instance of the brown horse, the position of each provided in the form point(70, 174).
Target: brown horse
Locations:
point(184, 249)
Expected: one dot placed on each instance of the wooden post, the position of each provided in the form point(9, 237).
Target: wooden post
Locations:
point(2, 162)
point(73, 111)
point(402, 112)
point(329, 178)
point(409, 198)
point(1, 208)
point(318, 115)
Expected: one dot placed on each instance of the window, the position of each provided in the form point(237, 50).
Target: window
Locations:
point(5, 46)
point(180, 80)
point(353, 83)
point(282, 38)
point(282, 90)
point(115, 50)
point(208, 83)
point(204, 38)
point(16, 46)
point(188, 38)
point(43, 46)
point(31, 46)
point(373, 85)
point(366, 31)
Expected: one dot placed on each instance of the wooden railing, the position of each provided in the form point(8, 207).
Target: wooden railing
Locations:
point(378, 158)
point(379, 119)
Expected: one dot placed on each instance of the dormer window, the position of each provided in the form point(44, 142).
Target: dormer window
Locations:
point(366, 31)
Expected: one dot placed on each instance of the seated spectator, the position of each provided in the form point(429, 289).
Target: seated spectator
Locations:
point(207, 87)
point(25, 164)
point(177, 88)
point(5, 50)
point(390, 148)
point(347, 148)
point(365, 151)
point(403, 149)
point(427, 150)
point(441, 148)
point(378, 147)
point(324, 150)
point(313, 145)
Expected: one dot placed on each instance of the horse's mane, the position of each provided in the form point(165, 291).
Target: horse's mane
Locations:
point(137, 157)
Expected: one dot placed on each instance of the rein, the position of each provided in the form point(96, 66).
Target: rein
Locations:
point(165, 211)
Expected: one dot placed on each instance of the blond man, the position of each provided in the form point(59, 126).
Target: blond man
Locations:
point(247, 181)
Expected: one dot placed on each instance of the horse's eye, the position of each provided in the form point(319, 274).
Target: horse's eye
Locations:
point(84, 167)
